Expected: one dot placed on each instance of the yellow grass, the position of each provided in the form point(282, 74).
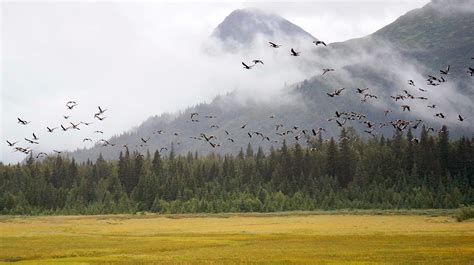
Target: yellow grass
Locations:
point(224, 239)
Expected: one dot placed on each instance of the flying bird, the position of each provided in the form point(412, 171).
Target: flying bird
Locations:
point(75, 126)
point(471, 71)
point(31, 141)
point(460, 118)
point(318, 42)
point(294, 53)
point(247, 66)
point(274, 45)
point(445, 72)
point(327, 70)
point(257, 61)
point(23, 122)
point(51, 129)
point(11, 144)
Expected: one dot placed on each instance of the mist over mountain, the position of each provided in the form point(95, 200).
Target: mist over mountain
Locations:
point(415, 45)
point(242, 27)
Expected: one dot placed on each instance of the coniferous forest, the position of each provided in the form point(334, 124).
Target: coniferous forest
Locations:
point(401, 172)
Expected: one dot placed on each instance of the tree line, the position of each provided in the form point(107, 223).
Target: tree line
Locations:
point(401, 172)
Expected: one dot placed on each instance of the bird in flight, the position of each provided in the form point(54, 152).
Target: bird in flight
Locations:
point(247, 66)
point(274, 45)
point(460, 118)
point(360, 91)
point(336, 92)
point(405, 107)
point(71, 104)
point(23, 122)
point(75, 126)
point(11, 144)
point(257, 61)
point(327, 70)
point(51, 129)
point(318, 42)
point(294, 53)
point(31, 141)
point(471, 71)
point(445, 72)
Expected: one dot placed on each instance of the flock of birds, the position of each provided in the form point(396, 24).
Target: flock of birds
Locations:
point(340, 118)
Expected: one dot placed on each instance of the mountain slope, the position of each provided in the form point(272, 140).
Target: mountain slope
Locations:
point(243, 26)
point(410, 48)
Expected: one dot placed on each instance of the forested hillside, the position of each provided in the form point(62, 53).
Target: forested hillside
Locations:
point(431, 171)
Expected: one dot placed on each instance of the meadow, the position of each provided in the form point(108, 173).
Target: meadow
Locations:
point(280, 238)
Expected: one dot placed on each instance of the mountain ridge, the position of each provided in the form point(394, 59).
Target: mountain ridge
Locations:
point(315, 106)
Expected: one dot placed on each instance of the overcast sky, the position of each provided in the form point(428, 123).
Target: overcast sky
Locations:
point(136, 59)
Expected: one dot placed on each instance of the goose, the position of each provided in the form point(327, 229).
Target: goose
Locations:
point(247, 66)
point(405, 107)
point(23, 122)
point(327, 70)
point(294, 53)
point(471, 71)
point(274, 45)
point(445, 72)
point(11, 144)
point(31, 141)
point(75, 126)
point(318, 42)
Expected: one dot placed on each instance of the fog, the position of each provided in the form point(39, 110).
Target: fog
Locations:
point(143, 59)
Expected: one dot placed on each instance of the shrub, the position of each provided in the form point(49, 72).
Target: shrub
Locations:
point(464, 213)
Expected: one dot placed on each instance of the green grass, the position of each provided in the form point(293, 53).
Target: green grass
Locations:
point(360, 237)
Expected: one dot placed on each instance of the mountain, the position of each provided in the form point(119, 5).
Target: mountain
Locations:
point(243, 26)
point(418, 43)
point(438, 34)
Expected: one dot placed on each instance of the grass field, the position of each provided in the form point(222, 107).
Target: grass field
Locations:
point(306, 238)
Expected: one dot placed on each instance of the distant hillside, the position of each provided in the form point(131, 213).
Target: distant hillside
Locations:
point(242, 27)
point(418, 43)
